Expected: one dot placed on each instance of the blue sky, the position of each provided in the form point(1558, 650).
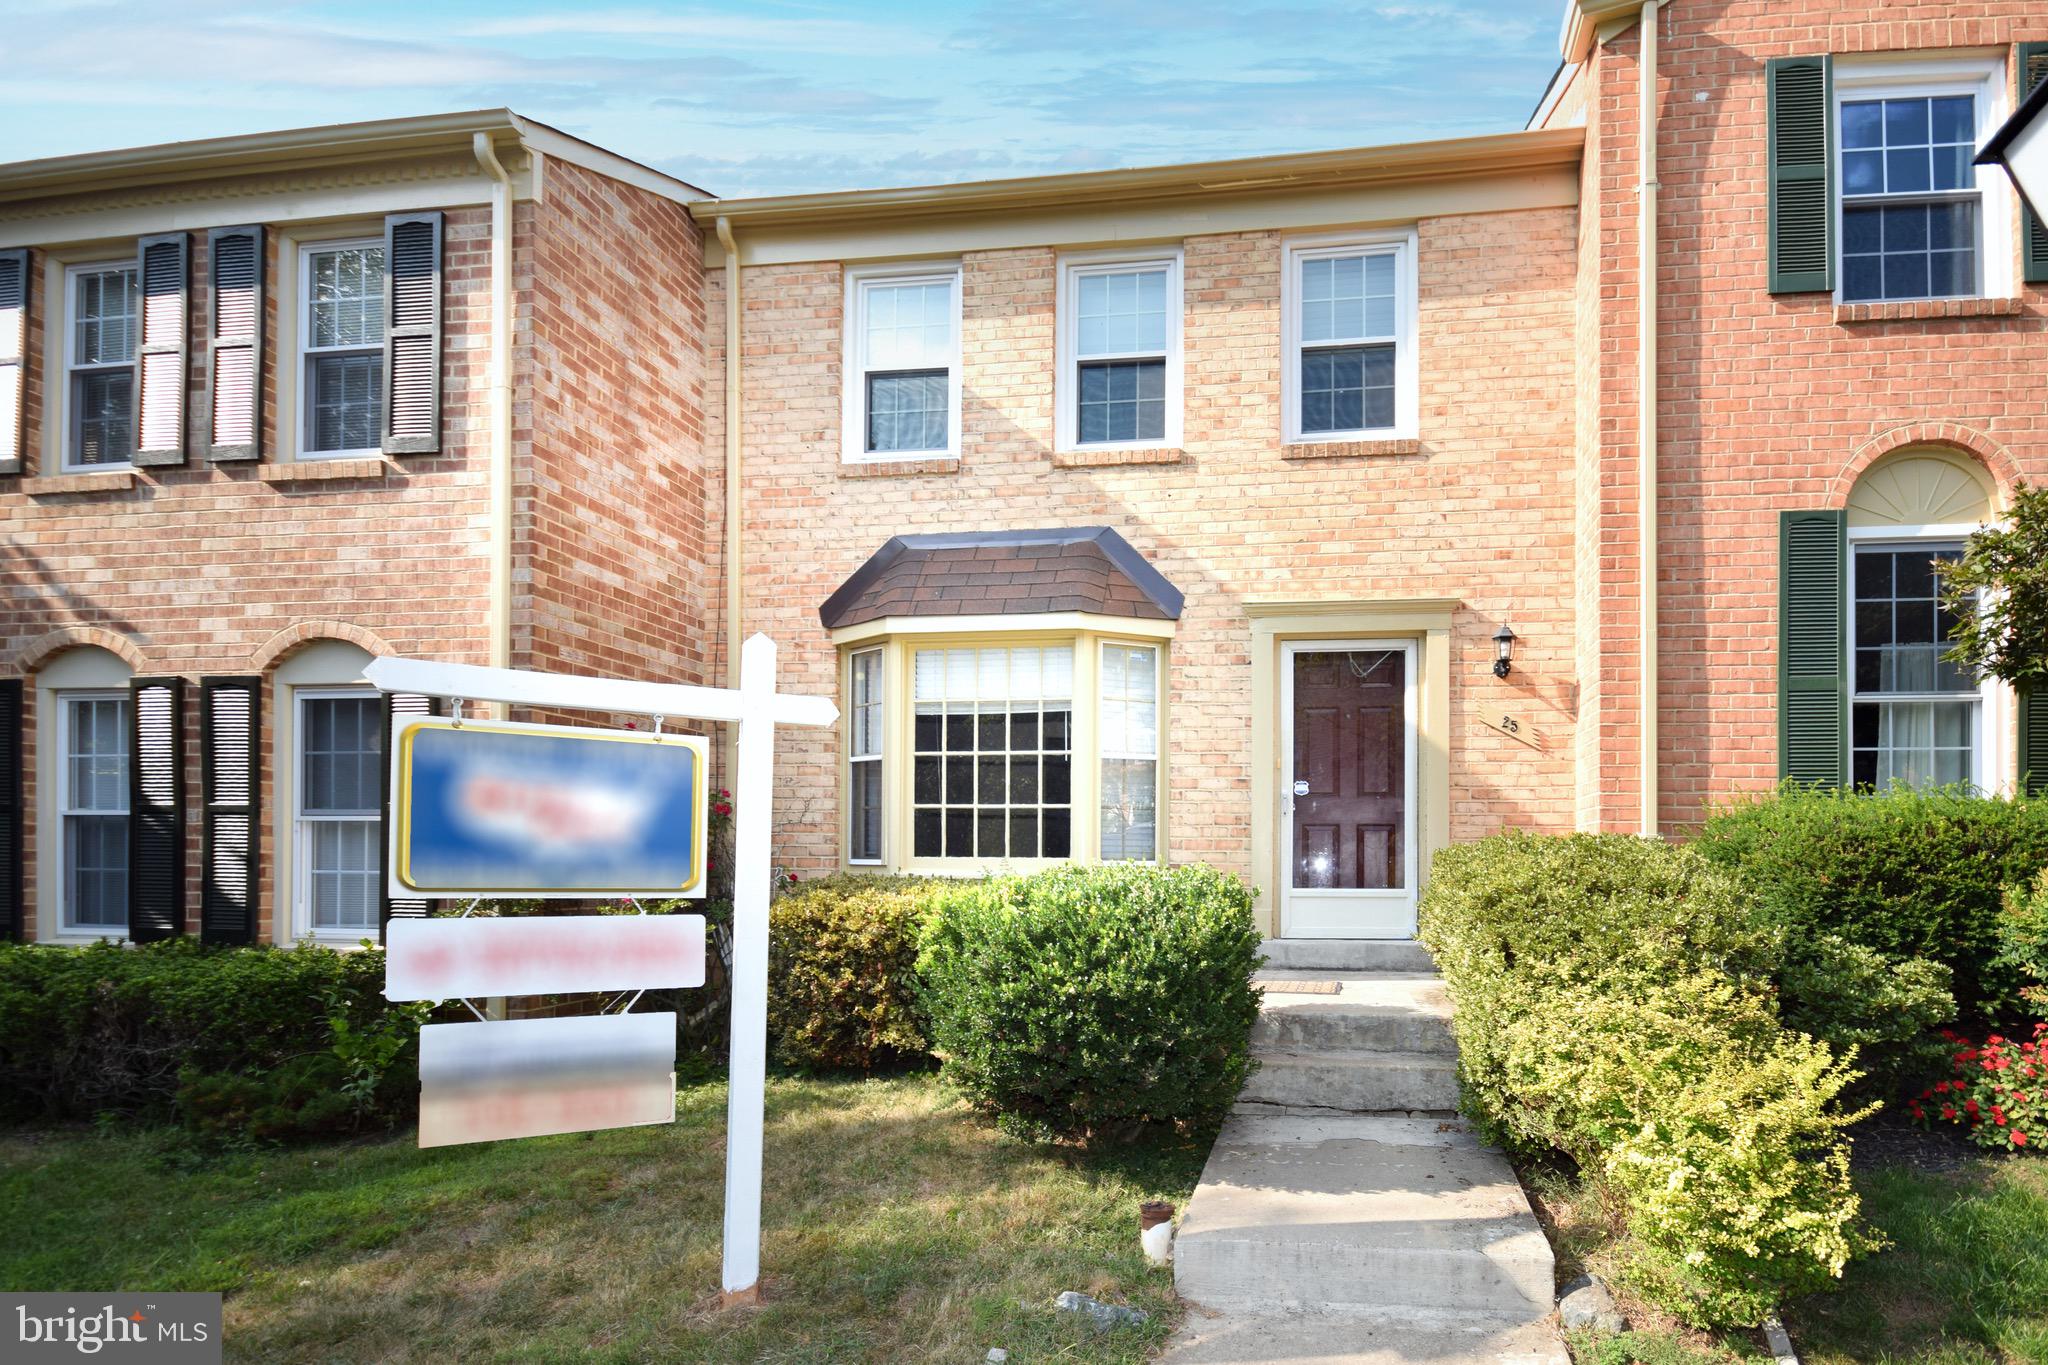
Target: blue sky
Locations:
point(778, 96)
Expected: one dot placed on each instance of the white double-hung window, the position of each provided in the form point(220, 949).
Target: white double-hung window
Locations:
point(92, 805)
point(864, 758)
point(1915, 718)
point(1348, 309)
point(1119, 381)
point(1127, 723)
point(340, 760)
point(1917, 219)
point(341, 348)
point(99, 365)
point(902, 389)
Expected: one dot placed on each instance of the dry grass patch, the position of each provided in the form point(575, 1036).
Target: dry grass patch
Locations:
point(896, 1228)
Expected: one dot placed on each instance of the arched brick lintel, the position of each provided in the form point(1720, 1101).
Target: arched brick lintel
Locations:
point(48, 646)
point(2004, 470)
point(305, 632)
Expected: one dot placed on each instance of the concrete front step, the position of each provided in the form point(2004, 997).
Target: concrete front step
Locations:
point(1324, 1337)
point(1371, 1011)
point(1347, 954)
point(1364, 1215)
point(1353, 1082)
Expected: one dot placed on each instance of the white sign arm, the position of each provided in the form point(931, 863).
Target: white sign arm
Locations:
point(520, 688)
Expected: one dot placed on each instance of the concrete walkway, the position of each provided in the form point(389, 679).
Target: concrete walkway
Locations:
point(1347, 1214)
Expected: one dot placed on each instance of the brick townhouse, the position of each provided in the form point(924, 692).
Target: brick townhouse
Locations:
point(1287, 513)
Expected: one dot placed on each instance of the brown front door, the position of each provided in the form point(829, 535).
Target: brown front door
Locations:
point(1346, 792)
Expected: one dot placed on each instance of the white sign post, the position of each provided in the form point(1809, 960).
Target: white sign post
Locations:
point(757, 709)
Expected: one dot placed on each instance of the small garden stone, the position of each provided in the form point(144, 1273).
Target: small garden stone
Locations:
point(1585, 1302)
point(1105, 1316)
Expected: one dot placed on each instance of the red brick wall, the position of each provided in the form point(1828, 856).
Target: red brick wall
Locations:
point(609, 538)
point(200, 567)
point(1765, 402)
point(1482, 513)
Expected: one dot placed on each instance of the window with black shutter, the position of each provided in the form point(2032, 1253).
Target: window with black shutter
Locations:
point(412, 333)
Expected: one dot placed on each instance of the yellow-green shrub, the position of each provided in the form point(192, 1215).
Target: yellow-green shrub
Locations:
point(1617, 1001)
point(842, 962)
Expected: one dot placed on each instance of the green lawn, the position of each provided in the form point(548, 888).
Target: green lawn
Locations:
point(1964, 1283)
point(896, 1227)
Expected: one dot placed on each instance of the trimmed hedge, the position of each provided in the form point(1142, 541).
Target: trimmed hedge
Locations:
point(1906, 873)
point(842, 972)
point(1087, 1001)
point(256, 1040)
point(1617, 1000)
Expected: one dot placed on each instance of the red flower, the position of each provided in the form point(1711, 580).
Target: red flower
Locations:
point(2019, 1139)
point(1969, 1106)
point(1948, 1111)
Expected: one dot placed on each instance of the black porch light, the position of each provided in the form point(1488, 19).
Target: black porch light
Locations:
point(1503, 651)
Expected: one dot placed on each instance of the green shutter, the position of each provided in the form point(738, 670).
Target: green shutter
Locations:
point(1813, 703)
point(1800, 95)
point(2034, 740)
point(2031, 62)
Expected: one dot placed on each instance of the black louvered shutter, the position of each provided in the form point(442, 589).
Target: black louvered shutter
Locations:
point(412, 333)
point(156, 809)
point(2033, 765)
point(397, 706)
point(234, 260)
point(162, 264)
point(1800, 96)
point(11, 720)
point(2031, 61)
point(1812, 676)
point(13, 356)
point(230, 716)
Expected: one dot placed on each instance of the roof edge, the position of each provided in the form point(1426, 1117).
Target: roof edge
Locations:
point(1491, 154)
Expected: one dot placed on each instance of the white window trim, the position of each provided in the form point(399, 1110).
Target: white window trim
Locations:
point(853, 424)
point(1985, 78)
point(67, 414)
point(1402, 244)
point(880, 757)
point(303, 928)
point(1067, 317)
point(67, 925)
point(304, 349)
point(1994, 711)
point(1103, 753)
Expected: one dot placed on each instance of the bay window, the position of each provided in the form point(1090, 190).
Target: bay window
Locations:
point(1013, 750)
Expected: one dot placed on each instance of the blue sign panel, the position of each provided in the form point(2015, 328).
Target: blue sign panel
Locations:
point(486, 808)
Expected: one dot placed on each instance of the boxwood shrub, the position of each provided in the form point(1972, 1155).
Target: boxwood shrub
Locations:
point(1617, 1000)
point(842, 973)
point(1083, 1002)
point(259, 1041)
point(1907, 874)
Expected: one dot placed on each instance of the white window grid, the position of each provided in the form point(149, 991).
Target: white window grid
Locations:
point(865, 773)
point(1399, 247)
point(92, 786)
point(1984, 79)
point(976, 695)
point(341, 312)
point(864, 358)
point(326, 835)
point(1127, 742)
point(102, 324)
point(1073, 349)
point(1979, 703)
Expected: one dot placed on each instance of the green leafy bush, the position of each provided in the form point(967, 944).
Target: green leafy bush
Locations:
point(1908, 873)
point(149, 1030)
point(1617, 1000)
point(842, 970)
point(2022, 952)
point(1086, 1001)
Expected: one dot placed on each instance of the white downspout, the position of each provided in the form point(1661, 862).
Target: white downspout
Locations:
point(1646, 409)
point(735, 558)
point(500, 384)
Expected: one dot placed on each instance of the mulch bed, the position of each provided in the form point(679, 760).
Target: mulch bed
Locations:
point(1891, 1139)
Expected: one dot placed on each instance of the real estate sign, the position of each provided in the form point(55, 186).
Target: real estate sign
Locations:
point(497, 808)
point(513, 1078)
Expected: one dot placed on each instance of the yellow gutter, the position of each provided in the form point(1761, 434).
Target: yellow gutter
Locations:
point(734, 522)
point(1646, 408)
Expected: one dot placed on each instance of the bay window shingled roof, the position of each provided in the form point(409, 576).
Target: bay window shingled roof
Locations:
point(1004, 573)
